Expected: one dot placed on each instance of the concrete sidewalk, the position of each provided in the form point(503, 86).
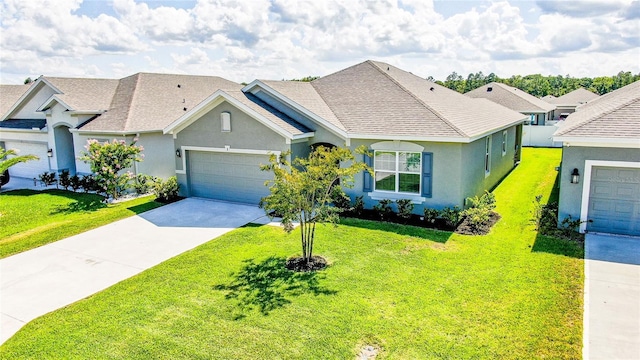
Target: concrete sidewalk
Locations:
point(611, 297)
point(47, 278)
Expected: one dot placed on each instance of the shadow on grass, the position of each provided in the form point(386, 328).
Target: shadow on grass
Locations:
point(553, 245)
point(268, 285)
point(82, 204)
point(139, 209)
point(439, 236)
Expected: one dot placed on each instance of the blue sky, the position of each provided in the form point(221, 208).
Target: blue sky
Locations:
point(284, 39)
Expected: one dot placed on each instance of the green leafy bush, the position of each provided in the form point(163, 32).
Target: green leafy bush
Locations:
point(405, 208)
point(47, 178)
point(166, 190)
point(108, 161)
point(340, 200)
point(144, 183)
point(479, 210)
point(89, 183)
point(64, 179)
point(545, 217)
point(358, 205)
point(383, 209)
point(451, 215)
point(75, 183)
point(430, 215)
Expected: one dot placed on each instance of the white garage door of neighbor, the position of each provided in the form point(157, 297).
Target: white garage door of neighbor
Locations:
point(33, 168)
point(614, 200)
point(228, 176)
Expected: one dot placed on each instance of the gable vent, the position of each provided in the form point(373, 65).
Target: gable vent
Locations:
point(489, 89)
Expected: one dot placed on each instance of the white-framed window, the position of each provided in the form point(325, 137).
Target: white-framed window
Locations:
point(397, 171)
point(504, 142)
point(225, 120)
point(487, 155)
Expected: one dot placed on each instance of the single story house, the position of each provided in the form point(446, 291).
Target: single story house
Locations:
point(428, 143)
point(567, 103)
point(600, 172)
point(539, 127)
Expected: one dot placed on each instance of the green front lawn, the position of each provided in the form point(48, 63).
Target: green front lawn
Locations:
point(29, 219)
point(413, 293)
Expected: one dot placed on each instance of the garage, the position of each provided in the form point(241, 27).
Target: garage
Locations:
point(228, 176)
point(29, 169)
point(614, 200)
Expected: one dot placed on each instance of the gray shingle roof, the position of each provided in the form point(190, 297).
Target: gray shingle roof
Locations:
point(85, 94)
point(150, 102)
point(269, 112)
point(511, 97)
point(613, 115)
point(305, 95)
point(9, 94)
point(574, 98)
point(377, 99)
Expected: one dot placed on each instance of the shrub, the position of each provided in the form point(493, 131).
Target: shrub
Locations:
point(340, 200)
point(108, 161)
point(166, 190)
point(545, 216)
point(64, 179)
point(405, 208)
point(479, 210)
point(75, 182)
point(358, 205)
point(47, 178)
point(383, 209)
point(89, 183)
point(144, 183)
point(430, 215)
point(451, 215)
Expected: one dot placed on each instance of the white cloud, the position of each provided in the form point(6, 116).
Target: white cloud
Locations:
point(243, 40)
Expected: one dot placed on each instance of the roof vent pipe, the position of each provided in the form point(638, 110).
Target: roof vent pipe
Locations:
point(178, 86)
point(431, 88)
point(489, 89)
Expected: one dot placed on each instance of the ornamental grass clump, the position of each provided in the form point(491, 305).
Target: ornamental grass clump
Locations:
point(108, 161)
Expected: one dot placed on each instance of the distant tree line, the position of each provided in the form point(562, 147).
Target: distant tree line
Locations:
point(538, 85)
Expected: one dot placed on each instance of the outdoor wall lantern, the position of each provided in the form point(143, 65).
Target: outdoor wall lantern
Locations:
point(50, 153)
point(178, 153)
point(575, 176)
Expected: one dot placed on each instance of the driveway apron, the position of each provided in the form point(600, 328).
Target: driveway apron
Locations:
point(612, 297)
point(47, 278)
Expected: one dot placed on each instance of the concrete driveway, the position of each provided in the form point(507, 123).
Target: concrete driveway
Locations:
point(612, 297)
point(47, 278)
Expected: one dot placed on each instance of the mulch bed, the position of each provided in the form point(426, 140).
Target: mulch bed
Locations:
point(298, 264)
point(467, 229)
point(439, 224)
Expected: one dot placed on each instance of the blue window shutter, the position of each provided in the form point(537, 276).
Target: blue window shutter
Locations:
point(367, 184)
point(427, 170)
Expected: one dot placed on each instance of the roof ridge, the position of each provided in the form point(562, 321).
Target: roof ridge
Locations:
point(458, 130)
point(597, 116)
point(128, 107)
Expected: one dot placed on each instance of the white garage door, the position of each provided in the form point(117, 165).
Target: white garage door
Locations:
point(614, 200)
point(227, 176)
point(29, 169)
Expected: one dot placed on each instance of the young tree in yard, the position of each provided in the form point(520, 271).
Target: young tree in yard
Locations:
point(108, 161)
point(5, 163)
point(301, 190)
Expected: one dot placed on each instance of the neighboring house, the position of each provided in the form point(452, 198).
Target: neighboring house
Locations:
point(540, 126)
point(55, 117)
point(601, 146)
point(567, 103)
point(428, 143)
